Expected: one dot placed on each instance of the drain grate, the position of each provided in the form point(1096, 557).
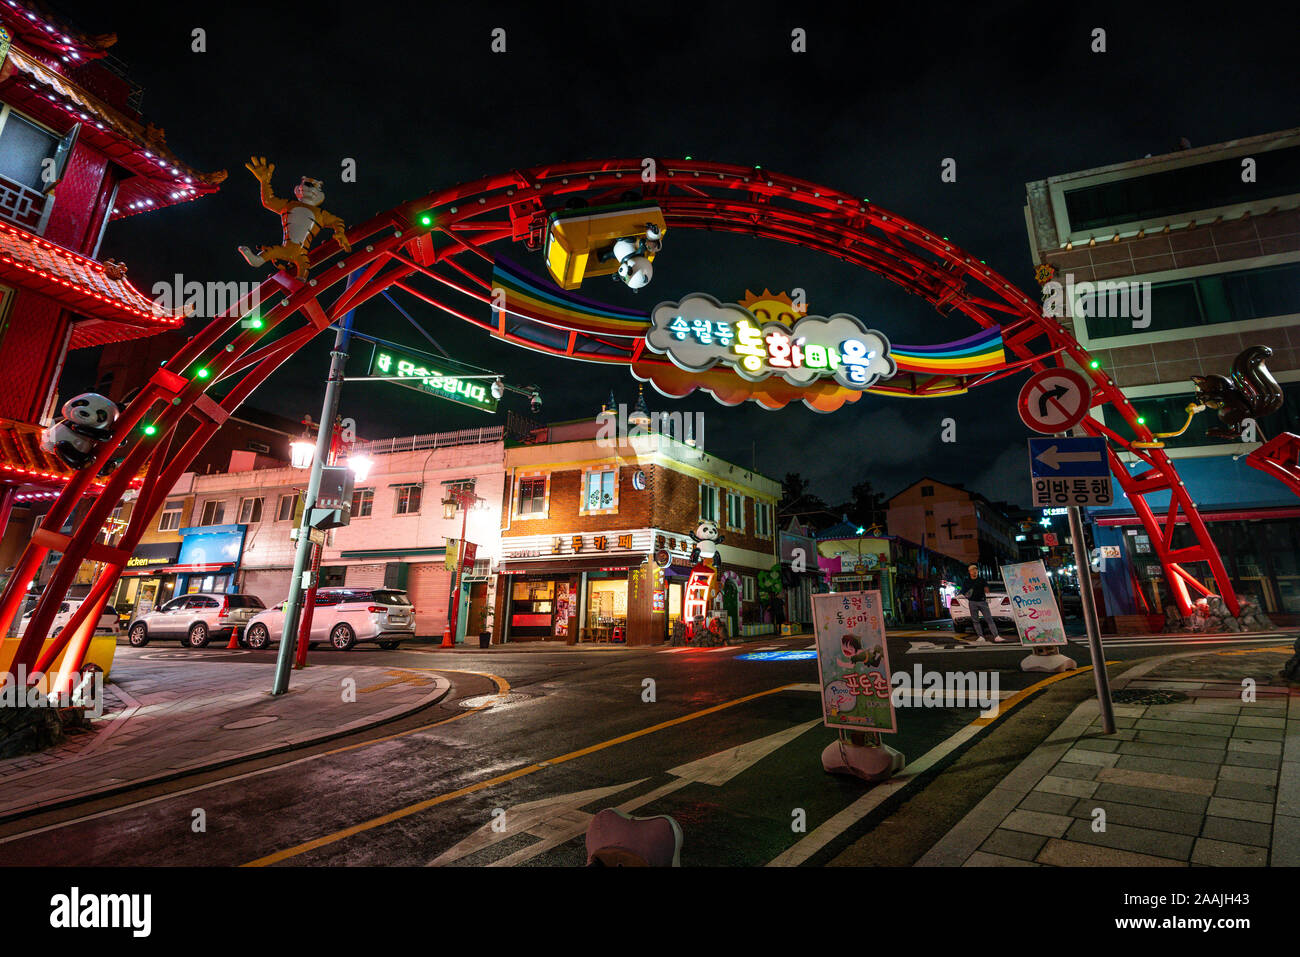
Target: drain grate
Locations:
point(511, 697)
point(1147, 696)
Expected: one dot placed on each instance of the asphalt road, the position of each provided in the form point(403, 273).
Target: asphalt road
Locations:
point(515, 782)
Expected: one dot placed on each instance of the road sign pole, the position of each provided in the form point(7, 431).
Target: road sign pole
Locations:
point(1084, 569)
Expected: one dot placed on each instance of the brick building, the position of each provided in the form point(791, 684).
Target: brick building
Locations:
point(954, 522)
point(596, 535)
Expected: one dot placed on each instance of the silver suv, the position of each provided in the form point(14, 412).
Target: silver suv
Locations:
point(194, 620)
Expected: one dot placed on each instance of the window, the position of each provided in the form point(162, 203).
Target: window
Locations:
point(708, 503)
point(599, 492)
point(747, 583)
point(735, 510)
point(1201, 301)
point(24, 147)
point(1168, 193)
point(1167, 413)
point(408, 499)
point(214, 513)
point(532, 497)
point(250, 511)
point(363, 502)
point(927, 491)
point(171, 517)
point(457, 487)
point(259, 447)
point(763, 519)
point(287, 508)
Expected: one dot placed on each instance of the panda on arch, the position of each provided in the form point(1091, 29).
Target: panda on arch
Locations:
point(87, 422)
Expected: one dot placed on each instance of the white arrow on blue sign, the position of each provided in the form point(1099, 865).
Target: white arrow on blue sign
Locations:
point(1068, 458)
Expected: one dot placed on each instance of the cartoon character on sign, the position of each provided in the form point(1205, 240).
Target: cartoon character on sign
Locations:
point(840, 698)
point(300, 220)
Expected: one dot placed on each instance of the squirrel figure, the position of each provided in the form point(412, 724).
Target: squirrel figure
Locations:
point(1249, 392)
point(300, 220)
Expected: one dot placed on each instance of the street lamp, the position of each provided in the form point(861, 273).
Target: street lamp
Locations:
point(360, 464)
point(464, 499)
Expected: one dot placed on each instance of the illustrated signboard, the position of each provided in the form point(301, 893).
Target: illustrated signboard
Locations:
point(439, 377)
point(853, 661)
point(699, 332)
point(562, 611)
point(1033, 604)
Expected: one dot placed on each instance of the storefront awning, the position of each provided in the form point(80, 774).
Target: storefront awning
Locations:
point(571, 566)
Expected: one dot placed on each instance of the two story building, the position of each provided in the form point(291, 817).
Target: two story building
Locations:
point(597, 535)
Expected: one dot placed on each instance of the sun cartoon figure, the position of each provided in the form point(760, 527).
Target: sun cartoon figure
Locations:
point(772, 307)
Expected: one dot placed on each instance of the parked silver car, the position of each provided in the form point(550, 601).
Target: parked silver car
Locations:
point(194, 620)
point(343, 617)
point(108, 623)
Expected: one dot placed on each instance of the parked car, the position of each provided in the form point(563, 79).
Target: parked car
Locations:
point(108, 619)
point(194, 620)
point(1071, 604)
point(343, 617)
point(999, 608)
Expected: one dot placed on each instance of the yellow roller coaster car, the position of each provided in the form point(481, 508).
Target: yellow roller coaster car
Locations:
point(580, 242)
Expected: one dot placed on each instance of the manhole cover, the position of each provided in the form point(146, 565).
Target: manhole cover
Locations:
point(1147, 696)
point(251, 722)
point(512, 697)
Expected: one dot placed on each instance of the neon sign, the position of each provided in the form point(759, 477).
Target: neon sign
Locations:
point(433, 381)
point(700, 332)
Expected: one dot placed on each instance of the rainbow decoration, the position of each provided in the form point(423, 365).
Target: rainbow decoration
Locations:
point(975, 354)
point(540, 300)
point(534, 299)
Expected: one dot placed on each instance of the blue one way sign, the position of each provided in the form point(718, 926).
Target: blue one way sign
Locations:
point(1069, 472)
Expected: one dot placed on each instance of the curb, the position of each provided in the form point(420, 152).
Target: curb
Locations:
point(437, 695)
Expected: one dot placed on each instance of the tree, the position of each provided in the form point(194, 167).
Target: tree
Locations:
point(796, 499)
point(865, 507)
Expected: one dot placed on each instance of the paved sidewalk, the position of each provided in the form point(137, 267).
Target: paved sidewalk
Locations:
point(1202, 779)
point(166, 714)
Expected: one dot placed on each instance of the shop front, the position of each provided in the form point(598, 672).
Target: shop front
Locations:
point(144, 584)
point(206, 559)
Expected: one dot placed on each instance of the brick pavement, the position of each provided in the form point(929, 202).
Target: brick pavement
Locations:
point(1204, 779)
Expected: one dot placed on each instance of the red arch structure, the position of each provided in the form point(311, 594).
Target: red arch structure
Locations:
point(440, 249)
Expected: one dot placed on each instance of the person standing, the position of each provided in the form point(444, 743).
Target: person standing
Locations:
point(978, 603)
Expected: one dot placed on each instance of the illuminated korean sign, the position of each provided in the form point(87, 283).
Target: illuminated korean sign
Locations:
point(431, 378)
point(700, 332)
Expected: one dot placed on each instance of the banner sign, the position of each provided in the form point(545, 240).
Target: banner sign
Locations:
point(433, 377)
point(1033, 604)
point(699, 332)
point(853, 661)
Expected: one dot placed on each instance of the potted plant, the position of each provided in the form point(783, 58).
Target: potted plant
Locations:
point(485, 625)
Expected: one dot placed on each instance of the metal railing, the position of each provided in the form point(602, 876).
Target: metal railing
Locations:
point(433, 440)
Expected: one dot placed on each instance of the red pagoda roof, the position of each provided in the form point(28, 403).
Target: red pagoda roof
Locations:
point(33, 80)
point(114, 309)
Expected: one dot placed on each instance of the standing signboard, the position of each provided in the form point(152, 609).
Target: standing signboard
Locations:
point(853, 661)
point(1033, 604)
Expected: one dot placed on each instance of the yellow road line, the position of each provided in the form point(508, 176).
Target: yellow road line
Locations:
point(1023, 693)
point(492, 782)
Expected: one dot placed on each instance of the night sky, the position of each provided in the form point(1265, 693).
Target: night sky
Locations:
point(413, 93)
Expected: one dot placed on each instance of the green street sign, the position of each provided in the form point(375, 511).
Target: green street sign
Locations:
point(437, 378)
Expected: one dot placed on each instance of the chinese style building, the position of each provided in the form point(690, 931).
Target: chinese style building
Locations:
point(75, 155)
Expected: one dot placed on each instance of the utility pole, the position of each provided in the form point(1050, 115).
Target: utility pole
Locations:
point(324, 436)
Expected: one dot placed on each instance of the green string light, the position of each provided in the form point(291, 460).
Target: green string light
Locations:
point(150, 429)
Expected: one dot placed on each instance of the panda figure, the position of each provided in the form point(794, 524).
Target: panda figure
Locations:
point(707, 541)
point(634, 266)
point(87, 421)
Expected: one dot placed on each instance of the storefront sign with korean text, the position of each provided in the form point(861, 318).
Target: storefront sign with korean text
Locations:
point(1033, 604)
point(853, 661)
